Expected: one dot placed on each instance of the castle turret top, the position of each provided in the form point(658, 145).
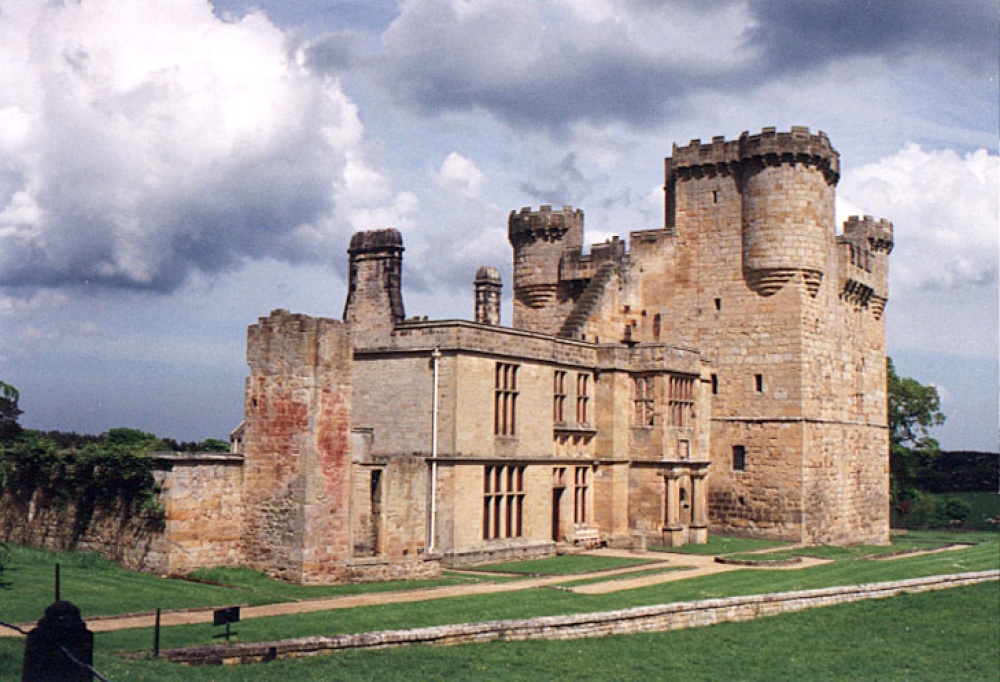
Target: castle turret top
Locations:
point(878, 233)
point(545, 224)
point(799, 145)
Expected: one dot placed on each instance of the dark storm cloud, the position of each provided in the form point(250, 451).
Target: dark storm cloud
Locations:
point(797, 35)
point(539, 66)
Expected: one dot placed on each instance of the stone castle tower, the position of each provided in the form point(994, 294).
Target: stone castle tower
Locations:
point(724, 372)
point(749, 270)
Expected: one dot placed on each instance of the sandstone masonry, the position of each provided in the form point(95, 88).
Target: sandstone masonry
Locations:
point(723, 371)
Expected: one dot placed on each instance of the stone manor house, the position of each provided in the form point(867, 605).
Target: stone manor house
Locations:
point(724, 372)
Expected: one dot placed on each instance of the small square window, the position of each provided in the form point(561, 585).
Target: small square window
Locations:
point(739, 458)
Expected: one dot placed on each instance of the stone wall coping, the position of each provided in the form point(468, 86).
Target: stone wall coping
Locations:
point(655, 618)
point(199, 457)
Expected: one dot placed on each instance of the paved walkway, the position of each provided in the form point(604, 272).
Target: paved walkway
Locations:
point(686, 566)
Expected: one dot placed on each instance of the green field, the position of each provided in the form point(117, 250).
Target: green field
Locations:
point(946, 635)
point(846, 567)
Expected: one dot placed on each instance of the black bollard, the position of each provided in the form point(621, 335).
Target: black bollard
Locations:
point(44, 657)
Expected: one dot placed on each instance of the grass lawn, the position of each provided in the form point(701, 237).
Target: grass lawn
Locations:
point(100, 587)
point(544, 601)
point(945, 635)
point(566, 564)
point(718, 545)
point(519, 604)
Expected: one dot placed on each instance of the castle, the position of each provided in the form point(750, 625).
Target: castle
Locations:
point(723, 372)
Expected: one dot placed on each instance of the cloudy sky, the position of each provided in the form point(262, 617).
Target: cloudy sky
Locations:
point(171, 171)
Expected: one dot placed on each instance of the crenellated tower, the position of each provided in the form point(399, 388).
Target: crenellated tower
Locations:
point(783, 186)
point(539, 239)
point(789, 314)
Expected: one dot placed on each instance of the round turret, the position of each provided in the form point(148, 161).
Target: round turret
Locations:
point(539, 239)
point(788, 184)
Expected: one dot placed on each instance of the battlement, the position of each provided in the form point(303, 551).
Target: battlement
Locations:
point(545, 224)
point(766, 147)
point(576, 265)
point(878, 233)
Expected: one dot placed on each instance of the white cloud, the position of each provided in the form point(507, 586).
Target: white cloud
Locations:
point(142, 141)
point(944, 207)
point(460, 175)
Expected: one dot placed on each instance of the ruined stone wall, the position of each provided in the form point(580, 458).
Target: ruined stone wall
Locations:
point(131, 537)
point(297, 447)
point(199, 526)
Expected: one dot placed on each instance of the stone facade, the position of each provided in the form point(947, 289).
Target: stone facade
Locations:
point(743, 338)
point(725, 370)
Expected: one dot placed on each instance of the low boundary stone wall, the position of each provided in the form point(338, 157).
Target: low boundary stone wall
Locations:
point(658, 618)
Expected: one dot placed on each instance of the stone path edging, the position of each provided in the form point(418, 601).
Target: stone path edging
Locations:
point(658, 618)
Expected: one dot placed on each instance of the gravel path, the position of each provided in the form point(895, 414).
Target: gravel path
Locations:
point(687, 565)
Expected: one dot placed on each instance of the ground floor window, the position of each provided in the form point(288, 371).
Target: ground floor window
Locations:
point(503, 502)
point(580, 486)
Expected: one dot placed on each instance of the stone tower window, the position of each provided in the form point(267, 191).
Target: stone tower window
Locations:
point(642, 401)
point(758, 383)
point(582, 398)
point(558, 396)
point(505, 400)
point(715, 384)
point(739, 458)
point(718, 304)
point(681, 401)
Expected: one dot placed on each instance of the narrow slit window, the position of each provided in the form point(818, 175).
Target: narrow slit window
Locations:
point(739, 458)
point(758, 383)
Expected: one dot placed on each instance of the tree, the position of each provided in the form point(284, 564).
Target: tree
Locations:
point(9, 412)
point(913, 410)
